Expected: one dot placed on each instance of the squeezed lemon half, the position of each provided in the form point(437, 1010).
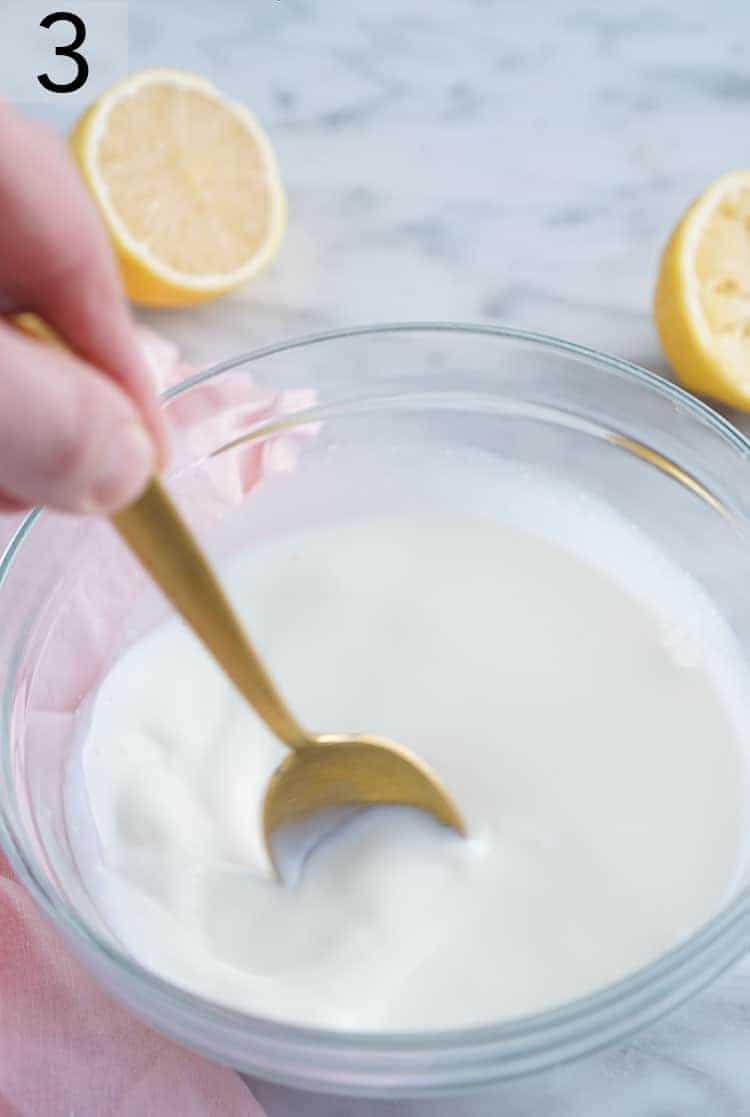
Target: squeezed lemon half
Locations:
point(187, 183)
point(702, 301)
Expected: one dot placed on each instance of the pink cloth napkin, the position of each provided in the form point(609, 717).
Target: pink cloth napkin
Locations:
point(67, 1049)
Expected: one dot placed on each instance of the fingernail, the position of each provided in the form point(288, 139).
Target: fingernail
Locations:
point(127, 466)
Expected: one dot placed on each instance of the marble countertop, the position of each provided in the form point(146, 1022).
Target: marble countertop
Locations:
point(490, 161)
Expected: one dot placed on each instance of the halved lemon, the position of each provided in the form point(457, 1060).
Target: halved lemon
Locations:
point(187, 183)
point(702, 301)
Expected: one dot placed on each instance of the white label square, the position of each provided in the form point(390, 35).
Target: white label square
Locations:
point(49, 48)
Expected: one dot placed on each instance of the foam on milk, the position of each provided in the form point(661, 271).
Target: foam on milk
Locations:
point(607, 814)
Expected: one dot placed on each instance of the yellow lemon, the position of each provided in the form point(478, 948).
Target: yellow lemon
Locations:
point(702, 301)
point(187, 183)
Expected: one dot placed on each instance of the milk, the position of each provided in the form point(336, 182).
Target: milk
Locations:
point(578, 694)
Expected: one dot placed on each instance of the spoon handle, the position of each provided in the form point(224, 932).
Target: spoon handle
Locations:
point(155, 531)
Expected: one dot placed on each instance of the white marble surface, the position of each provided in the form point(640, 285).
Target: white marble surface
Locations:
point(487, 160)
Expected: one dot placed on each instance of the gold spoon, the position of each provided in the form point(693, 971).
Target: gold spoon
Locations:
point(323, 771)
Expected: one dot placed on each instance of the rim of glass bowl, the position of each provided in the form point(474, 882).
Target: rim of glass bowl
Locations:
point(401, 1063)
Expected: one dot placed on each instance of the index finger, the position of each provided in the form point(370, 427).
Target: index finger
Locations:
point(56, 260)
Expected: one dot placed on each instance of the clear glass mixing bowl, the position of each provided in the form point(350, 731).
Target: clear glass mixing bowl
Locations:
point(665, 461)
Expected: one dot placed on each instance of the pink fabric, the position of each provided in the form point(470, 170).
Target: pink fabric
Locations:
point(65, 1047)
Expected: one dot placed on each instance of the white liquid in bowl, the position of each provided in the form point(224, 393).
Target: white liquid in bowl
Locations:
point(581, 698)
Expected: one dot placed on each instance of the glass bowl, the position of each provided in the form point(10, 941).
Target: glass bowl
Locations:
point(399, 411)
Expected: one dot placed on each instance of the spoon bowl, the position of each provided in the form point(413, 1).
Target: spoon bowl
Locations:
point(339, 770)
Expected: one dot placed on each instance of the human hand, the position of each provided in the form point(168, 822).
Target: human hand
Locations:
point(80, 431)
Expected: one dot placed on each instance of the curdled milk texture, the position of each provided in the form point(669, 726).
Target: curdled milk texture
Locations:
point(580, 697)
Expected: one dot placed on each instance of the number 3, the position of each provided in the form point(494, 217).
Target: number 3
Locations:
point(69, 51)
